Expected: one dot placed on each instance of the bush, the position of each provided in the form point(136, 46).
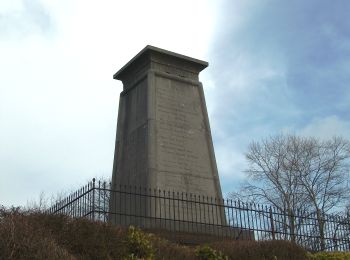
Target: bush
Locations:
point(329, 256)
point(33, 235)
point(19, 239)
point(243, 249)
point(165, 249)
point(207, 253)
point(138, 245)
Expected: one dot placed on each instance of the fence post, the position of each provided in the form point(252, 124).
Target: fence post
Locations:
point(272, 225)
point(93, 199)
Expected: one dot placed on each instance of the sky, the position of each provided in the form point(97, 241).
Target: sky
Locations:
point(274, 67)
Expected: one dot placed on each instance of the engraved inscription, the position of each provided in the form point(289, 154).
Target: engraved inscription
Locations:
point(181, 133)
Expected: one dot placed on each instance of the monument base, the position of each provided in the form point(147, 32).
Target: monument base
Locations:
point(198, 238)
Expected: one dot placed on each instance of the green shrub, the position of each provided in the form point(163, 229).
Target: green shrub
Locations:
point(138, 245)
point(207, 253)
point(329, 256)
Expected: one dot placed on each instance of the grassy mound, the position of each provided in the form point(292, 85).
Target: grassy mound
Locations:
point(330, 256)
point(33, 235)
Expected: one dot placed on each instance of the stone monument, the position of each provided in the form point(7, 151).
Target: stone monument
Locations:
point(163, 136)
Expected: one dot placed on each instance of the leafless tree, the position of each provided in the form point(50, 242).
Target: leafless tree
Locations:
point(297, 174)
point(323, 175)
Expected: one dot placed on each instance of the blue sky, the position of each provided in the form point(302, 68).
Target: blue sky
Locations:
point(274, 67)
point(278, 67)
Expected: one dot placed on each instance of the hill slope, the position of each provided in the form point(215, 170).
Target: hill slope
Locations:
point(33, 235)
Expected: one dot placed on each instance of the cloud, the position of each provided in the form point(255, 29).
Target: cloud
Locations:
point(277, 67)
point(58, 100)
point(231, 163)
point(327, 127)
point(22, 18)
point(274, 66)
point(303, 41)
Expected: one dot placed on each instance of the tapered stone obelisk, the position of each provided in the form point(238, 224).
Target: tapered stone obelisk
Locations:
point(163, 136)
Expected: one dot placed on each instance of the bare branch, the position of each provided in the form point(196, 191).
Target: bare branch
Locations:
point(296, 173)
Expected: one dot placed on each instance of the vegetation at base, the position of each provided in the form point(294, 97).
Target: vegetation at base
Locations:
point(138, 244)
point(206, 252)
point(34, 235)
point(330, 256)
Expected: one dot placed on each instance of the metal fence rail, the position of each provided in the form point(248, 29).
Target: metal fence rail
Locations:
point(182, 212)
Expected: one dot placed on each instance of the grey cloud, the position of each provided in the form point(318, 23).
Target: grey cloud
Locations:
point(281, 66)
point(33, 18)
point(306, 43)
point(312, 31)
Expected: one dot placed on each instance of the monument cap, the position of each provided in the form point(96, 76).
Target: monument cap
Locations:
point(147, 54)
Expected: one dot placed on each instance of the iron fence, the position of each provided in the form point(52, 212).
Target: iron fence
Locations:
point(191, 213)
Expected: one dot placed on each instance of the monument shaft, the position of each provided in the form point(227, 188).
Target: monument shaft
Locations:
point(163, 136)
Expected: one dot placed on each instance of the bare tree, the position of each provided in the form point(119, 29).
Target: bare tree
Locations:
point(323, 175)
point(297, 174)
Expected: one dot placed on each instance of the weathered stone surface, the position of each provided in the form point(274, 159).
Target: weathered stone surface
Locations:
point(163, 135)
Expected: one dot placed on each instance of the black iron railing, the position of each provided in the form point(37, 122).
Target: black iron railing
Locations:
point(191, 213)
